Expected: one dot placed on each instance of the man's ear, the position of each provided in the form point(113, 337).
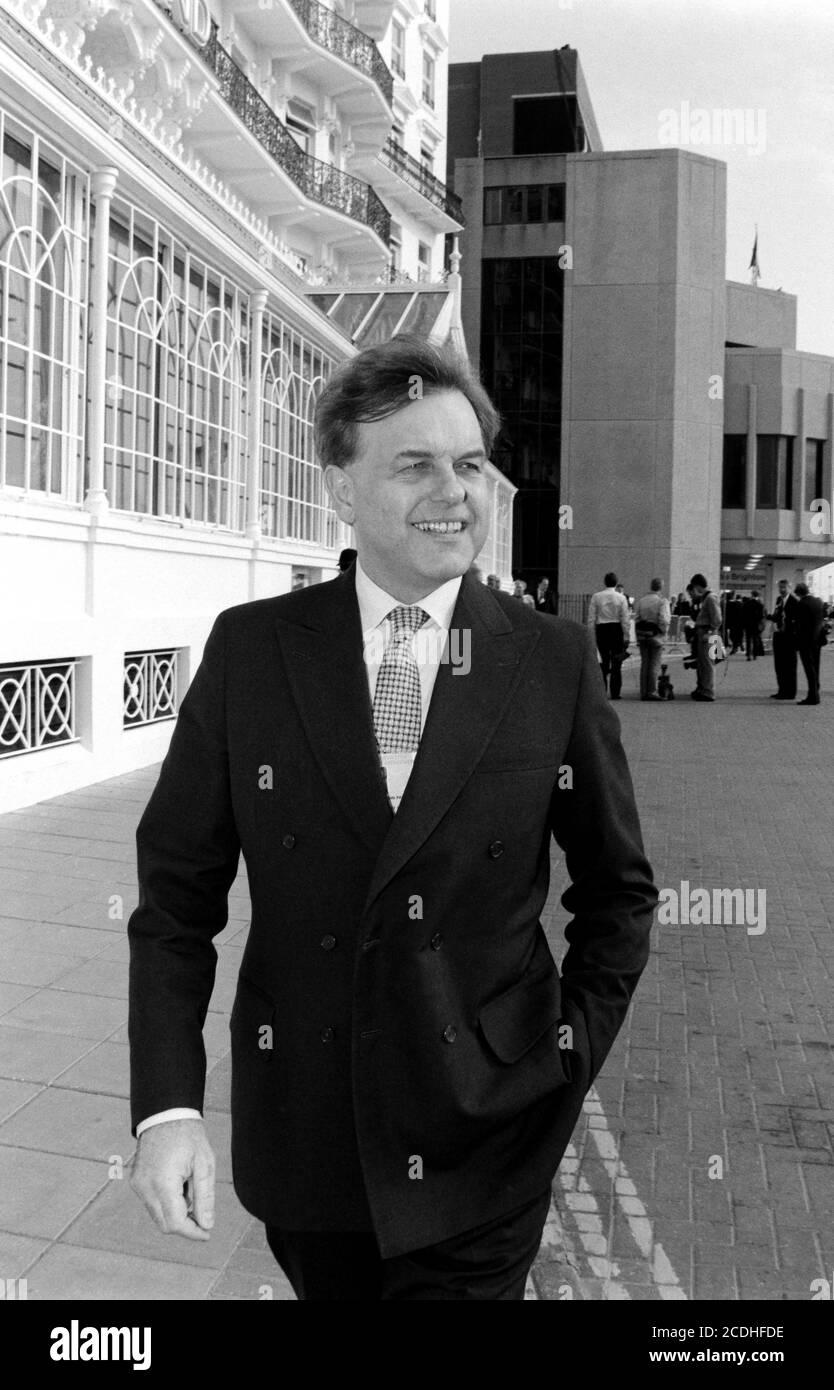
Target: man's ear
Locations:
point(339, 485)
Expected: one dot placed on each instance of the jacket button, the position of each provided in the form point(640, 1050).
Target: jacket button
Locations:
point(435, 941)
point(288, 841)
point(450, 1033)
point(328, 942)
point(327, 1034)
point(496, 849)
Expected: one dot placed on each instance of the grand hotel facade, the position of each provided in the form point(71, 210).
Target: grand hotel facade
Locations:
point(204, 208)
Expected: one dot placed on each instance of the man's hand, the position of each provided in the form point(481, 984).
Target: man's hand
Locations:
point(173, 1173)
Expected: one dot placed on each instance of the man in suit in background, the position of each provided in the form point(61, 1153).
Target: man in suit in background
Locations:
point(392, 752)
point(808, 629)
point(784, 642)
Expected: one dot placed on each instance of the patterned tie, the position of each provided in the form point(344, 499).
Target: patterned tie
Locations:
point(397, 703)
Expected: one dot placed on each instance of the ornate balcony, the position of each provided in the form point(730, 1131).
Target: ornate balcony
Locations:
point(332, 32)
point(322, 182)
point(418, 177)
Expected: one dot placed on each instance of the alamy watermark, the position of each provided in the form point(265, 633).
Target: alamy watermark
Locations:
point(704, 907)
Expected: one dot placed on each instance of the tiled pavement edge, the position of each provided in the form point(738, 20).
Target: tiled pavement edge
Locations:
point(727, 1051)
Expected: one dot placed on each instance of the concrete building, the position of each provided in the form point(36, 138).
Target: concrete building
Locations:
point(204, 207)
point(626, 368)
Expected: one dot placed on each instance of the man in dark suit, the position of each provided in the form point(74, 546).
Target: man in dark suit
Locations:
point(545, 597)
point(808, 629)
point(391, 752)
point(753, 619)
point(784, 642)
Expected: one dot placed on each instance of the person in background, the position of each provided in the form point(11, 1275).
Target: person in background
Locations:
point(734, 617)
point(545, 597)
point(707, 621)
point(808, 630)
point(299, 580)
point(683, 608)
point(784, 642)
point(520, 591)
point(651, 624)
point(477, 573)
point(609, 621)
point(493, 581)
point(753, 620)
point(346, 559)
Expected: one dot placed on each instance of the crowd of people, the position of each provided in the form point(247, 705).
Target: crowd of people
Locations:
point(800, 623)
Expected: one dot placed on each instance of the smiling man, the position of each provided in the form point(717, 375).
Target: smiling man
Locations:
point(407, 1063)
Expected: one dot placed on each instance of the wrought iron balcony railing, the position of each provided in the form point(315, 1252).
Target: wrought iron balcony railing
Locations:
point(335, 34)
point(322, 182)
point(422, 179)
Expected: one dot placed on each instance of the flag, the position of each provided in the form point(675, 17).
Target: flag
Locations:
point(755, 272)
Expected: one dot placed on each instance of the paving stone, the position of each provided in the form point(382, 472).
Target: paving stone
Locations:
point(71, 1272)
point(27, 1055)
point(105, 1069)
point(18, 1254)
point(40, 1193)
point(117, 1220)
point(72, 1122)
point(79, 1015)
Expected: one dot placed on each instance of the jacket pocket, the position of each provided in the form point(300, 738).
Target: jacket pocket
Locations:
point(516, 1020)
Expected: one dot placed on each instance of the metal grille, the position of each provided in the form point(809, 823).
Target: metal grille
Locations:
point(346, 41)
point(37, 706)
point(175, 431)
point(150, 687)
point(294, 502)
point(43, 272)
point(320, 181)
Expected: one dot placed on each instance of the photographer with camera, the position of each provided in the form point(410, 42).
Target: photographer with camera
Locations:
point(707, 622)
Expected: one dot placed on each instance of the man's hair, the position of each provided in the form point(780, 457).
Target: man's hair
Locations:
point(698, 582)
point(384, 379)
point(346, 559)
point(656, 586)
point(801, 589)
point(610, 579)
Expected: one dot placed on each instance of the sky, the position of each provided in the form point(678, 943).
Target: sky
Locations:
point(773, 61)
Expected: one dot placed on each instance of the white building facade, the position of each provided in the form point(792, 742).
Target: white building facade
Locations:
point(204, 208)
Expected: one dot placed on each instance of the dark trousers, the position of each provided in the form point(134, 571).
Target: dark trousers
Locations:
point(489, 1263)
point(753, 643)
point(610, 647)
point(784, 660)
point(809, 655)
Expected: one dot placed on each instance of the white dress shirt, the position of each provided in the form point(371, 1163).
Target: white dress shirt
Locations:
point(607, 606)
point(428, 645)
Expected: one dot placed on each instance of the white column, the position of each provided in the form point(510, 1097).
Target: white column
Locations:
point(103, 184)
point(253, 463)
point(798, 499)
point(750, 499)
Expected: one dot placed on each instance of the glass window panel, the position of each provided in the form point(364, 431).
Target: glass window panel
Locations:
point(423, 313)
point(555, 209)
point(384, 319)
point(492, 206)
point(513, 205)
point(534, 204)
point(767, 472)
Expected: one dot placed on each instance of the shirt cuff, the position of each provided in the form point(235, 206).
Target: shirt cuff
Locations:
point(183, 1113)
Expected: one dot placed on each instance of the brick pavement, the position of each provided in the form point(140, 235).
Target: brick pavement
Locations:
point(727, 1051)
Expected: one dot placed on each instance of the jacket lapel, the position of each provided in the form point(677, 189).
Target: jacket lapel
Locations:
point(464, 712)
point(326, 671)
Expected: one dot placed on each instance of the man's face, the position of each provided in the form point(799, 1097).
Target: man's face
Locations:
point(783, 587)
point(416, 494)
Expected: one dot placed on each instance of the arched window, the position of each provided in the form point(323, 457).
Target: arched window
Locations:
point(43, 202)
